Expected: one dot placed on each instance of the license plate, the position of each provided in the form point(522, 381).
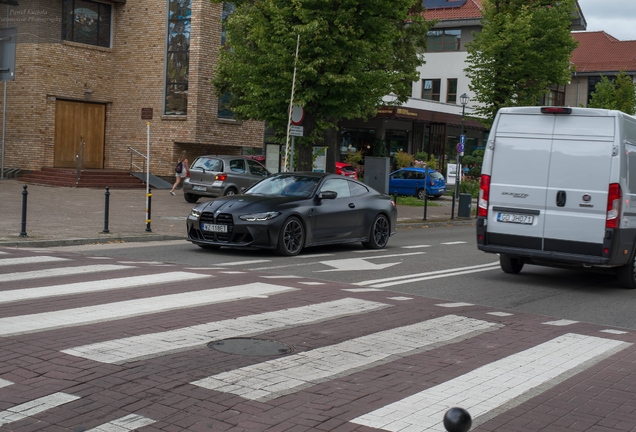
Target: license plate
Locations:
point(214, 227)
point(515, 218)
point(199, 188)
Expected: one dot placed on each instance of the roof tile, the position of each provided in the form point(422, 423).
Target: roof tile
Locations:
point(601, 52)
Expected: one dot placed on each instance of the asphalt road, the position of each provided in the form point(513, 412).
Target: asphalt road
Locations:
point(441, 262)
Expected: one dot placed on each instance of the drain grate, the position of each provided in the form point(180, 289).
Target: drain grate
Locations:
point(251, 346)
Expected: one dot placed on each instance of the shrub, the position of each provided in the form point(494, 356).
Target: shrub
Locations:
point(403, 159)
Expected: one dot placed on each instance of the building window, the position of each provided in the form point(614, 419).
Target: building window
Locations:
point(451, 90)
point(555, 96)
point(430, 89)
point(443, 40)
point(591, 85)
point(86, 22)
point(178, 57)
point(223, 110)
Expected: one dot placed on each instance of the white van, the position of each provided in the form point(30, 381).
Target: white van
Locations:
point(558, 188)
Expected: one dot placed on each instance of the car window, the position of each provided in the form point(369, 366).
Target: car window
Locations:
point(347, 168)
point(207, 164)
point(397, 175)
point(257, 169)
point(436, 175)
point(340, 186)
point(284, 184)
point(237, 165)
point(357, 189)
point(419, 175)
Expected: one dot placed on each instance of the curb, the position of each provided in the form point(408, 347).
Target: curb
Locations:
point(418, 224)
point(85, 241)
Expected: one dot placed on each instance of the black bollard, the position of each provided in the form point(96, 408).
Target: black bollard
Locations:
point(425, 193)
point(106, 199)
point(457, 420)
point(23, 232)
point(148, 210)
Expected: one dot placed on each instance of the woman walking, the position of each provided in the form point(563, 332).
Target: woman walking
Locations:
point(181, 171)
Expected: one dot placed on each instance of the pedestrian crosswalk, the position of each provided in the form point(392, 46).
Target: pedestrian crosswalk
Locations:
point(124, 346)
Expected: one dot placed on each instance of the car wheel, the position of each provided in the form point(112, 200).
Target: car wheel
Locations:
point(208, 247)
point(190, 198)
point(291, 237)
point(627, 274)
point(380, 232)
point(230, 191)
point(420, 194)
point(509, 264)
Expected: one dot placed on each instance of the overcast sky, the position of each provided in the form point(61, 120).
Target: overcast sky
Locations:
point(615, 17)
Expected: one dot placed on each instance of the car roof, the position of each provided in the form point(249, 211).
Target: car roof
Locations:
point(415, 169)
point(225, 157)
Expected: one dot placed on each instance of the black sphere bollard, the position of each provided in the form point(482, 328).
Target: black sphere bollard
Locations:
point(457, 420)
point(23, 232)
point(148, 211)
point(106, 208)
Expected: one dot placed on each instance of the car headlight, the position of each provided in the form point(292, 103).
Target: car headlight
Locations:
point(263, 216)
point(196, 213)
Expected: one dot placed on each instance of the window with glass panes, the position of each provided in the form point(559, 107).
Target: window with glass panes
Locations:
point(443, 40)
point(223, 110)
point(451, 90)
point(430, 89)
point(87, 22)
point(178, 57)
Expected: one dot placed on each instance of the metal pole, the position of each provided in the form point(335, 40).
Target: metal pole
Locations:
point(148, 195)
point(425, 194)
point(149, 201)
point(106, 208)
point(23, 232)
point(291, 105)
point(4, 124)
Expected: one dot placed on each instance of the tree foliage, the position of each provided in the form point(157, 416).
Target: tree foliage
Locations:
point(524, 46)
point(618, 94)
point(352, 53)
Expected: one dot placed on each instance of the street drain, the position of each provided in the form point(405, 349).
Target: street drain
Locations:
point(250, 346)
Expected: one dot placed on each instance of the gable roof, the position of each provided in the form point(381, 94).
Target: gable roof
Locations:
point(452, 10)
point(601, 52)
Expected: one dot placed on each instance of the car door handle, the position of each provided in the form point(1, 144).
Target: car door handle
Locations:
point(352, 205)
point(560, 199)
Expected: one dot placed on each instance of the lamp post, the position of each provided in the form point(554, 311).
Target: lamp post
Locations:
point(463, 99)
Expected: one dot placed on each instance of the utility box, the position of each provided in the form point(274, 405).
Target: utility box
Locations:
point(376, 173)
point(465, 201)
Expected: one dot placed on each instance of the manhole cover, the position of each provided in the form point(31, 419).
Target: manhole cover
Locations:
point(249, 346)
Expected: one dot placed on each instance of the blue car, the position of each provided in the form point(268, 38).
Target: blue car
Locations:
point(410, 181)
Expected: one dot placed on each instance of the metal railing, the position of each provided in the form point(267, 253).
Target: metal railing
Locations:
point(133, 153)
point(80, 160)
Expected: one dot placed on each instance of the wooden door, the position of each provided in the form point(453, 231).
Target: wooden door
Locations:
point(74, 122)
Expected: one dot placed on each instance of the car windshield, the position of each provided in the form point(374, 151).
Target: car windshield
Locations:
point(285, 184)
point(207, 164)
point(435, 175)
point(347, 168)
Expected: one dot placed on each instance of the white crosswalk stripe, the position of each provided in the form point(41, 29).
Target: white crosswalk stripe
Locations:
point(31, 408)
point(129, 423)
point(30, 260)
point(490, 387)
point(112, 311)
point(63, 271)
point(274, 378)
point(96, 286)
point(151, 345)
point(4, 383)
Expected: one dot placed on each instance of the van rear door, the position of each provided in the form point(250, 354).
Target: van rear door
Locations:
point(519, 179)
point(578, 183)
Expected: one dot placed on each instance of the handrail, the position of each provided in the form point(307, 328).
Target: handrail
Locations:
point(80, 160)
point(132, 152)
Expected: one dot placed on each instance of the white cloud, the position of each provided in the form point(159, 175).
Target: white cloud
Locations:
point(615, 17)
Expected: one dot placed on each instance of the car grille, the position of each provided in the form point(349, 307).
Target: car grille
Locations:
point(221, 219)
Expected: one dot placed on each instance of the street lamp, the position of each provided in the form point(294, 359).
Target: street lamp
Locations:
point(463, 99)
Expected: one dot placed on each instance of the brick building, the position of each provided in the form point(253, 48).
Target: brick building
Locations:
point(85, 69)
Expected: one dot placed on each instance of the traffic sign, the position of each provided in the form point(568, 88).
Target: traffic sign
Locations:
point(296, 130)
point(460, 147)
point(297, 115)
point(462, 139)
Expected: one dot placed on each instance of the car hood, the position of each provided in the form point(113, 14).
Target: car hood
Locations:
point(251, 203)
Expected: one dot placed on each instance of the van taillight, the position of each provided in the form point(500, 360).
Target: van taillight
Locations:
point(614, 197)
point(556, 110)
point(484, 193)
point(221, 177)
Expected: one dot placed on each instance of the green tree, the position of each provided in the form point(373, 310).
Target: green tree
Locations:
point(524, 46)
point(352, 53)
point(618, 94)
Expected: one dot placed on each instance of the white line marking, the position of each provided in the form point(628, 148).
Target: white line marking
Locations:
point(64, 271)
point(125, 309)
point(30, 260)
point(129, 423)
point(454, 305)
point(400, 298)
point(618, 332)
point(500, 314)
point(4, 383)
point(396, 255)
point(4, 253)
point(562, 322)
point(415, 246)
point(96, 286)
point(369, 250)
point(496, 387)
point(270, 379)
point(453, 243)
point(432, 273)
point(243, 262)
point(34, 407)
point(361, 289)
point(155, 344)
point(312, 283)
point(312, 256)
point(100, 258)
point(281, 277)
point(143, 262)
point(232, 272)
point(204, 268)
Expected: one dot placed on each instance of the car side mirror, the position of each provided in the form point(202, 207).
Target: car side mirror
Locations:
point(328, 195)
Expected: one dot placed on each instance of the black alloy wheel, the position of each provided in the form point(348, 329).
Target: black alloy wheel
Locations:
point(380, 232)
point(191, 198)
point(291, 238)
point(231, 191)
point(420, 194)
point(509, 264)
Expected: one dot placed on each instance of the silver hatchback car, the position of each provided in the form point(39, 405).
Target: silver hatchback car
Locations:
point(215, 176)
